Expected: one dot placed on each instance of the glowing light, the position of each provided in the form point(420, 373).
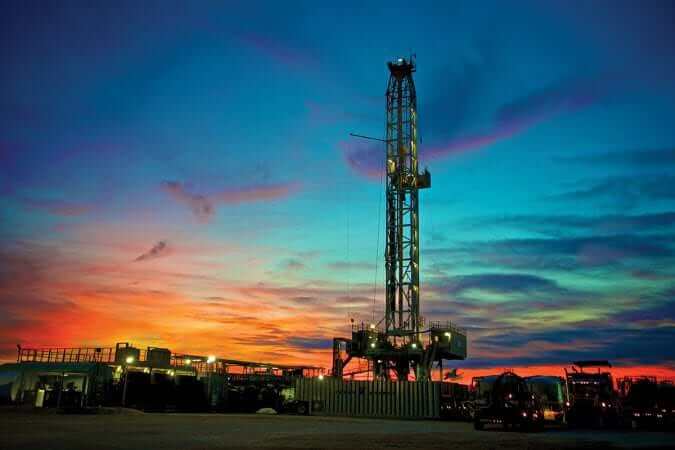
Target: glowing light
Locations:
point(414, 345)
point(211, 359)
point(130, 359)
point(171, 373)
point(321, 377)
point(372, 326)
point(447, 334)
point(372, 345)
point(188, 362)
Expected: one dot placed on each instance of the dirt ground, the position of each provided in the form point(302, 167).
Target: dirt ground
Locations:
point(28, 431)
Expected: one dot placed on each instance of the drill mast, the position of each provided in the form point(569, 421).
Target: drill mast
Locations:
point(403, 346)
point(403, 182)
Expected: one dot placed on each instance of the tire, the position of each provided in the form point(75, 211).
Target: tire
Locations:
point(301, 409)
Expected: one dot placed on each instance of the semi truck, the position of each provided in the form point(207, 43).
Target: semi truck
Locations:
point(593, 400)
point(506, 400)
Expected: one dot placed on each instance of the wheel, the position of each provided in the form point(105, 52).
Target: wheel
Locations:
point(301, 409)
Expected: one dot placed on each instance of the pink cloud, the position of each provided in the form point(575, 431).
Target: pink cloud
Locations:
point(367, 159)
point(203, 206)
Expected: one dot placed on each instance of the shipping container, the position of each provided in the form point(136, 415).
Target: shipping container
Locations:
point(399, 399)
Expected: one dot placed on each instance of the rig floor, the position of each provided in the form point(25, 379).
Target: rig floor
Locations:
point(49, 431)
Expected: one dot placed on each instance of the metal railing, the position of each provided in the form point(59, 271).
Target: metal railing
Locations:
point(447, 325)
point(198, 364)
point(66, 355)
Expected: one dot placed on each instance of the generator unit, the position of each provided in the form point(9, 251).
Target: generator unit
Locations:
point(126, 354)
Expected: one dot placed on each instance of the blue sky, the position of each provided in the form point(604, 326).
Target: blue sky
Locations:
point(183, 174)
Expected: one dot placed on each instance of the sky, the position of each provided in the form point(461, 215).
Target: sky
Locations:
point(180, 174)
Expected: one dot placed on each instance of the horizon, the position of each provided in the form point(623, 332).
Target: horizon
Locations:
point(182, 176)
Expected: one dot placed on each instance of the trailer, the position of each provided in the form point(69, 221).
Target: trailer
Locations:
point(507, 401)
point(647, 403)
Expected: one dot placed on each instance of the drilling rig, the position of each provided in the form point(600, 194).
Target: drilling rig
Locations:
point(406, 343)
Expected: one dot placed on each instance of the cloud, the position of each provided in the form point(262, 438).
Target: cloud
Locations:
point(624, 191)
point(310, 342)
point(203, 206)
point(511, 119)
point(651, 275)
point(605, 223)
point(654, 308)
point(528, 332)
point(565, 254)
point(500, 283)
point(293, 264)
point(643, 158)
point(159, 249)
point(543, 323)
point(457, 89)
point(563, 344)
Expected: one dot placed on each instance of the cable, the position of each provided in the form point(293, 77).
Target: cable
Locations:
point(377, 249)
point(349, 284)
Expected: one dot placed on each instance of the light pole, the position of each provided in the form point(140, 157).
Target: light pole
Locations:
point(128, 360)
point(209, 362)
